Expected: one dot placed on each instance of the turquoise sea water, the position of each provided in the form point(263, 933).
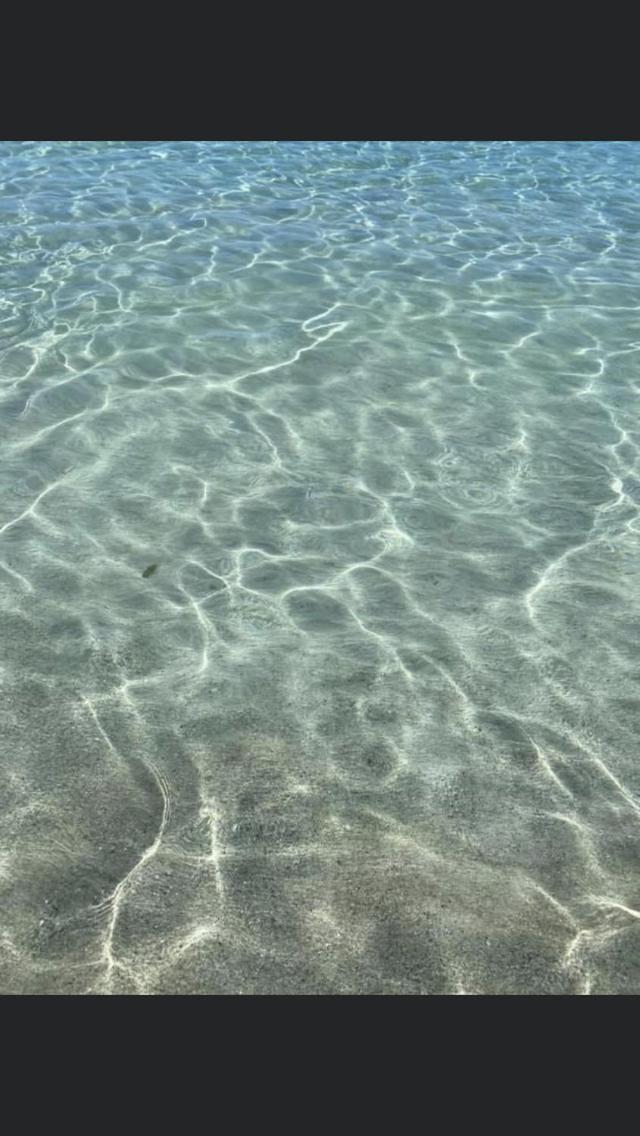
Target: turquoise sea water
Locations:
point(319, 567)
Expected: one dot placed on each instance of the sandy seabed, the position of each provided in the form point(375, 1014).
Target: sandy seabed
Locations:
point(319, 584)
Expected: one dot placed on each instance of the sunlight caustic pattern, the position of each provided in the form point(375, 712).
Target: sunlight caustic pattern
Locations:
point(319, 567)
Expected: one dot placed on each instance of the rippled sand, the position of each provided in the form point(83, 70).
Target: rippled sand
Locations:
point(319, 568)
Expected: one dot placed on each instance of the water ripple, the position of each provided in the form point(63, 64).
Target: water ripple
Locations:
point(319, 550)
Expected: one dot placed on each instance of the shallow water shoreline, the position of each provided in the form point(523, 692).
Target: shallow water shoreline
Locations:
point(319, 600)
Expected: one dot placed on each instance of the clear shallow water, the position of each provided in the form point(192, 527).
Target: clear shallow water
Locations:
point(371, 723)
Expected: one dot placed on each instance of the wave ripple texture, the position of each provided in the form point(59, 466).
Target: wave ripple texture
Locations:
point(319, 568)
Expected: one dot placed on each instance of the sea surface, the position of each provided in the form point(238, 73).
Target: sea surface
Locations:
point(319, 568)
